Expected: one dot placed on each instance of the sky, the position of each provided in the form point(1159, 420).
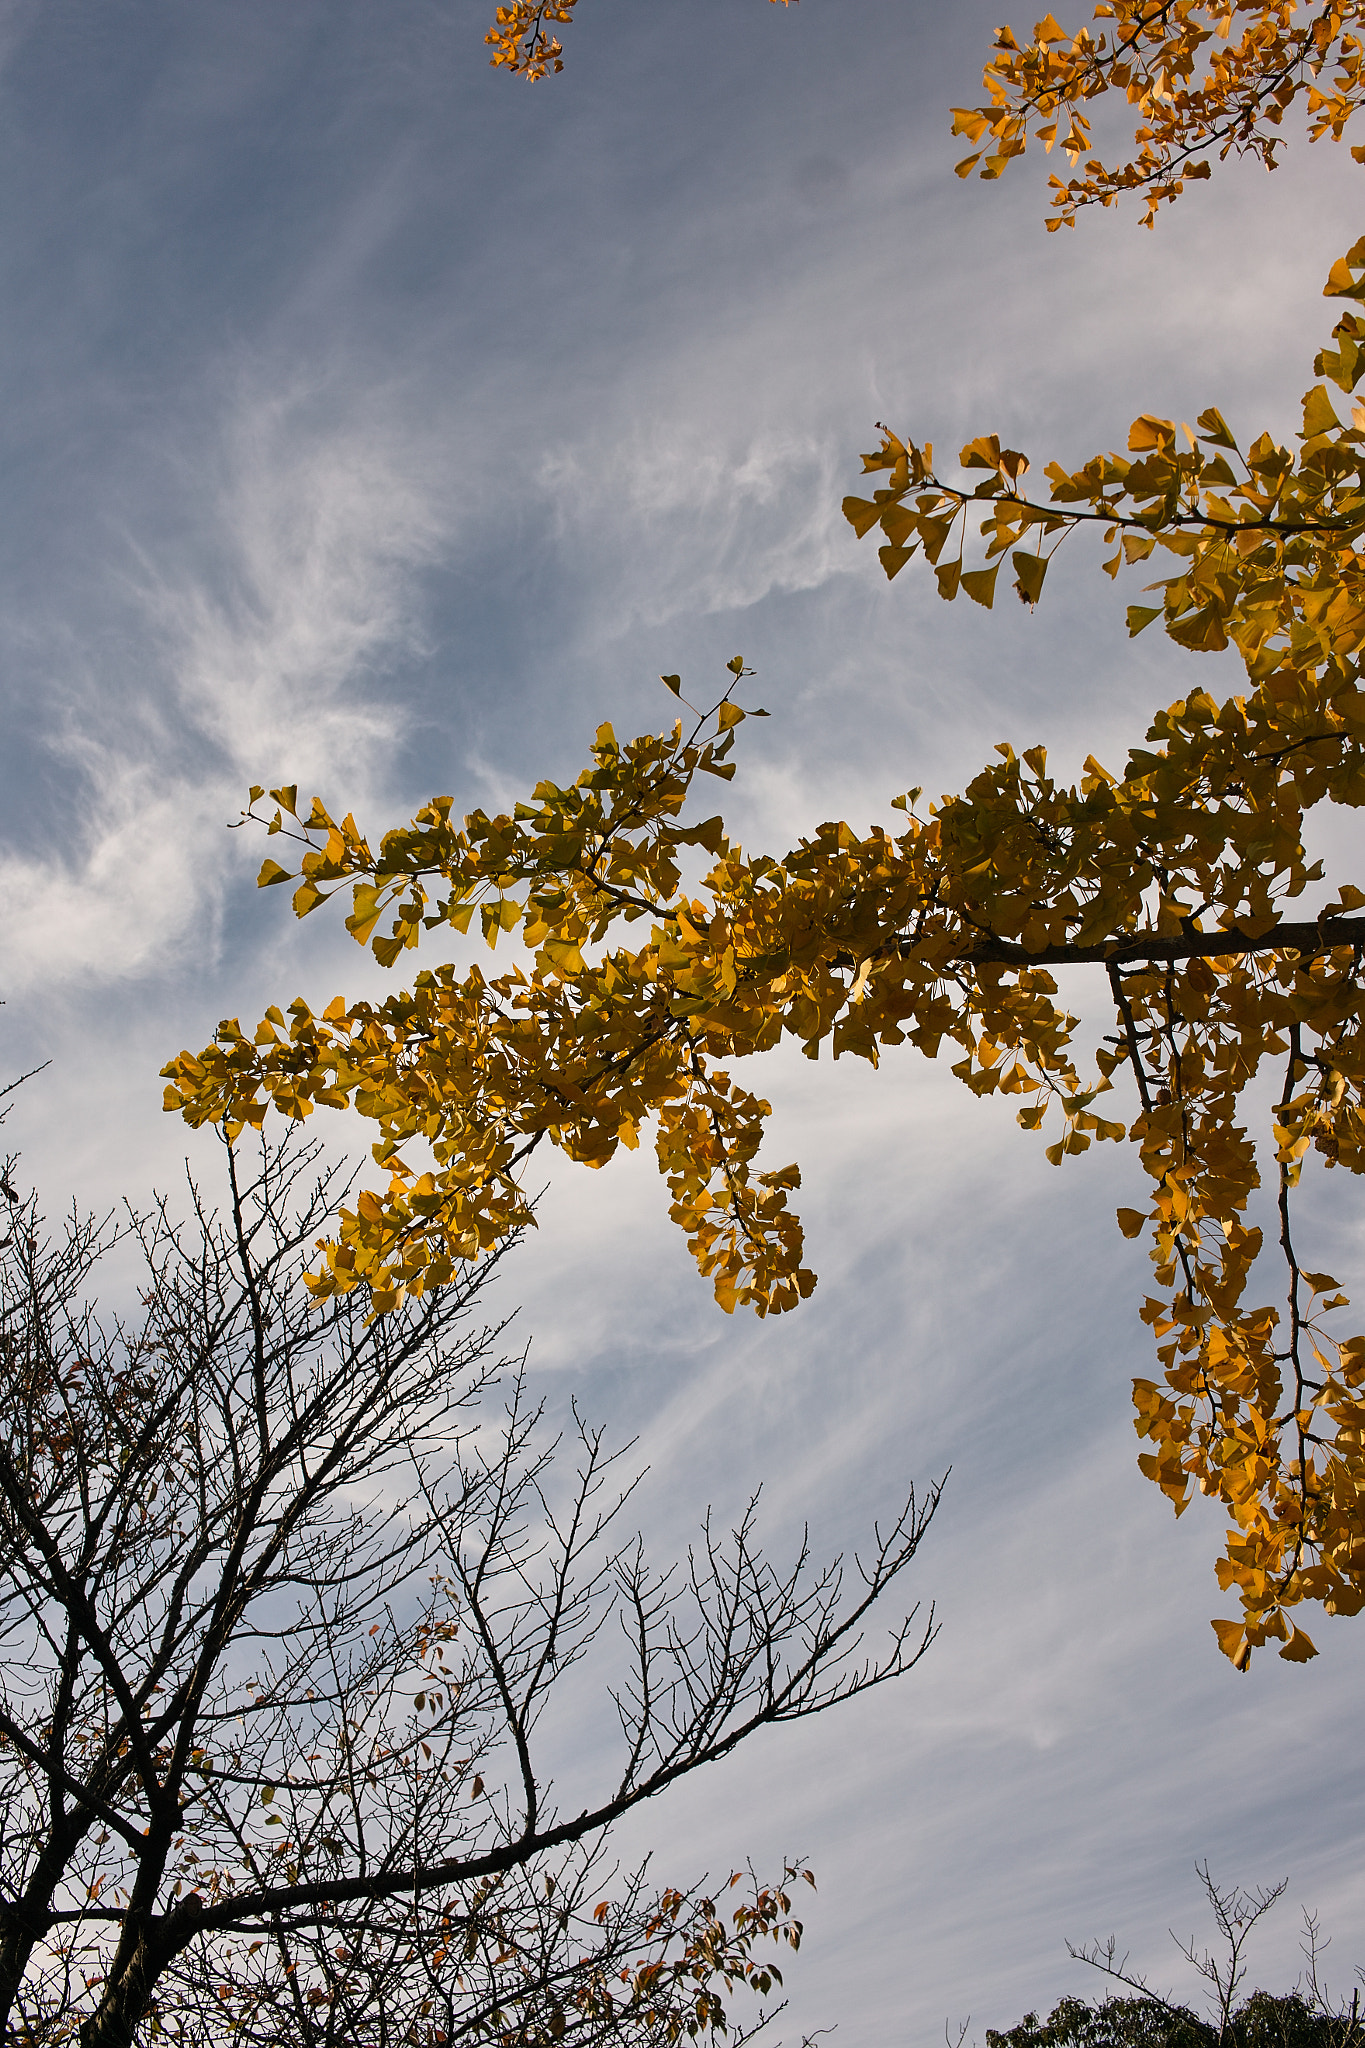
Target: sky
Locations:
point(380, 423)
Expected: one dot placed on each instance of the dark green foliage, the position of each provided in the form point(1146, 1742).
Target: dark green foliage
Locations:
point(1118, 2023)
point(1263, 2021)
point(1290, 2022)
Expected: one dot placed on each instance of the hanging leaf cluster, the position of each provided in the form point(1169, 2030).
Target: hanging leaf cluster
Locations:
point(523, 40)
point(1202, 75)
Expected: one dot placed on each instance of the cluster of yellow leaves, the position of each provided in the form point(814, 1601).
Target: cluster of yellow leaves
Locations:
point(1172, 878)
point(481, 1071)
point(1269, 556)
point(523, 43)
point(521, 40)
point(1260, 55)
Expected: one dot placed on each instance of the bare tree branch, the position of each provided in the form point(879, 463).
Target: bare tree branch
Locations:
point(284, 1595)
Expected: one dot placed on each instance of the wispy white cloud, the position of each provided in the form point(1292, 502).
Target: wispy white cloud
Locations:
point(279, 636)
point(695, 518)
point(266, 645)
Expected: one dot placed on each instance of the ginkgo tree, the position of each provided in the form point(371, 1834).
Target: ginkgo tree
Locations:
point(1182, 881)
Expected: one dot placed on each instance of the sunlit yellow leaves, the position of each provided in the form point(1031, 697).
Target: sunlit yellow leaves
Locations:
point(1176, 879)
point(522, 40)
point(1200, 75)
point(1268, 545)
point(581, 1053)
point(1173, 877)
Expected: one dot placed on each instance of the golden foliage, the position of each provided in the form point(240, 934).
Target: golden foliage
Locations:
point(1258, 57)
point(1172, 878)
point(1267, 540)
point(523, 43)
point(1261, 1410)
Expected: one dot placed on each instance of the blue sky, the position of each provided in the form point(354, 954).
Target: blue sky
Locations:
point(379, 423)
